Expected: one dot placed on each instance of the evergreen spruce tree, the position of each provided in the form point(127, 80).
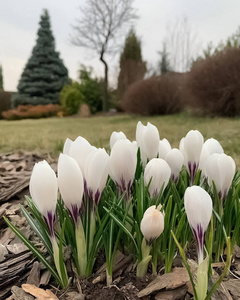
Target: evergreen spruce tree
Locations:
point(164, 64)
point(132, 67)
point(44, 74)
point(1, 79)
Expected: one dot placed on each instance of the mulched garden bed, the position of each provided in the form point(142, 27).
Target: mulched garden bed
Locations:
point(22, 277)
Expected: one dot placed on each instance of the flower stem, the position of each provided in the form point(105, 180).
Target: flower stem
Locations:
point(81, 247)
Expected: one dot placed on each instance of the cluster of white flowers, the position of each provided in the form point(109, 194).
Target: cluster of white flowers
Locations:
point(83, 170)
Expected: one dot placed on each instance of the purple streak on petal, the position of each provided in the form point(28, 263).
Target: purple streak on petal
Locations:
point(174, 179)
point(123, 188)
point(85, 186)
point(192, 167)
point(83, 204)
point(199, 235)
point(97, 197)
point(75, 212)
point(129, 189)
point(220, 196)
point(123, 184)
point(49, 220)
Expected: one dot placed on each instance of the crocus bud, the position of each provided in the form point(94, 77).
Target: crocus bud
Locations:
point(164, 148)
point(43, 189)
point(70, 181)
point(123, 162)
point(96, 170)
point(220, 168)
point(175, 161)
point(210, 147)
point(191, 147)
point(159, 171)
point(148, 140)
point(198, 206)
point(115, 136)
point(79, 150)
point(152, 223)
point(67, 146)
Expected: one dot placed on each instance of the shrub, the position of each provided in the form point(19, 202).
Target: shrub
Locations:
point(5, 101)
point(91, 88)
point(156, 95)
point(29, 111)
point(214, 83)
point(71, 98)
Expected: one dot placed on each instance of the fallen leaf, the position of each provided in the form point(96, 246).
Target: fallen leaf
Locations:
point(175, 294)
point(173, 280)
point(40, 294)
point(233, 286)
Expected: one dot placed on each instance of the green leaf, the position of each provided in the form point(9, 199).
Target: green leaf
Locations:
point(61, 258)
point(34, 250)
point(39, 230)
point(121, 225)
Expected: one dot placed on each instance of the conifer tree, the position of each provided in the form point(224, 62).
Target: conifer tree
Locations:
point(164, 64)
point(44, 74)
point(132, 67)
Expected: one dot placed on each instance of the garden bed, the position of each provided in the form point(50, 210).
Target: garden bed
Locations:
point(18, 267)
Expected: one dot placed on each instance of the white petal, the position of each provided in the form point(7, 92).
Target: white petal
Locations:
point(79, 150)
point(160, 172)
point(43, 187)
point(67, 146)
point(70, 181)
point(115, 136)
point(164, 148)
point(152, 224)
point(198, 206)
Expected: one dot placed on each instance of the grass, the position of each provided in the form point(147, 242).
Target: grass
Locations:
point(48, 135)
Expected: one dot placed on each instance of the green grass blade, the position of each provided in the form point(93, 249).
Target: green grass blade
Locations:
point(42, 234)
point(34, 250)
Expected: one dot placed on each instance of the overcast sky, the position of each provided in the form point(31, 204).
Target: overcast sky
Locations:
point(210, 20)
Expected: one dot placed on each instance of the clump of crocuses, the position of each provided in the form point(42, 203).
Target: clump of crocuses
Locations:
point(130, 197)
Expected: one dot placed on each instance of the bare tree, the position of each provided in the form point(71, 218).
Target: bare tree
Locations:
point(181, 45)
point(101, 27)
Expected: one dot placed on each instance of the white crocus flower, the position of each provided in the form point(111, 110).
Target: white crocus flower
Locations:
point(96, 171)
point(164, 148)
point(175, 161)
point(116, 136)
point(210, 147)
point(191, 147)
point(43, 189)
point(198, 206)
point(152, 224)
point(158, 171)
point(80, 148)
point(220, 168)
point(70, 181)
point(67, 146)
point(147, 138)
point(123, 162)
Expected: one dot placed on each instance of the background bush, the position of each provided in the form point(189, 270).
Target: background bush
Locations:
point(71, 98)
point(30, 111)
point(5, 101)
point(156, 95)
point(89, 90)
point(214, 83)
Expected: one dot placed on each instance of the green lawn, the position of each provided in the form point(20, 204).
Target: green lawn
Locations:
point(48, 135)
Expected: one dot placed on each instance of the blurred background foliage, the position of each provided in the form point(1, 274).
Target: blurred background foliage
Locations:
point(207, 84)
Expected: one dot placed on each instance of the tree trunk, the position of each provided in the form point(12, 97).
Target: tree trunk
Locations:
point(105, 99)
